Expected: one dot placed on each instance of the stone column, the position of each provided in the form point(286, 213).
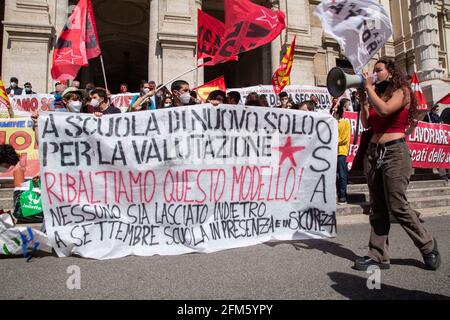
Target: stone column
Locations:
point(426, 42)
point(276, 45)
point(28, 35)
point(200, 77)
point(426, 39)
point(154, 49)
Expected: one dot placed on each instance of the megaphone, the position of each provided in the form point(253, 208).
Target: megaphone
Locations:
point(338, 81)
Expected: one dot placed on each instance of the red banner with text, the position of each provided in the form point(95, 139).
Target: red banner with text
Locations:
point(429, 143)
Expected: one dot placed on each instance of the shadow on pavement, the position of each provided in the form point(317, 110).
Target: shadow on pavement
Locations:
point(325, 246)
point(355, 288)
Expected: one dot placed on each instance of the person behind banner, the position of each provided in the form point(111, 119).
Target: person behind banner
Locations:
point(307, 105)
point(233, 97)
point(181, 93)
point(393, 107)
point(161, 96)
point(123, 88)
point(432, 116)
point(14, 89)
point(216, 97)
point(100, 103)
point(143, 102)
point(168, 102)
point(343, 146)
point(284, 99)
point(28, 88)
point(253, 100)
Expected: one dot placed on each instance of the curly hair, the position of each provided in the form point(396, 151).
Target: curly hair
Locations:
point(8, 155)
point(399, 81)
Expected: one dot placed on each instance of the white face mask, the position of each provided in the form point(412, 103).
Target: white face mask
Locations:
point(146, 90)
point(13, 84)
point(167, 105)
point(185, 98)
point(75, 106)
point(95, 103)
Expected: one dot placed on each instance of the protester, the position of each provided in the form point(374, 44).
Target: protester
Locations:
point(181, 93)
point(14, 89)
point(343, 146)
point(28, 88)
point(57, 104)
point(315, 100)
point(143, 102)
point(89, 86)
point(161, 95)
point(233, 97)
point(284, 99)
point(432, 116)
point(100, 104)
point(445, 116)
point(355, 102)
point(216, 97)
point(263, 98)
point(123, 88)
point(73, 100)
point(167, 102)
point(75, 84)
point(8, 157)
point(334, 105)
point(393, 108)
point(307, 105)
point(253, 100)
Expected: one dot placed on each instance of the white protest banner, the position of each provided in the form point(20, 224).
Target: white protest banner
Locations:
point(188, 179)
point(23, 106)
point(360, 27)
point(296, 92)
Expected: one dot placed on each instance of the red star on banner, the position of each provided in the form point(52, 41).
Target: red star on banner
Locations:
point(287, 151)
point(272, 21)
point(67, 57)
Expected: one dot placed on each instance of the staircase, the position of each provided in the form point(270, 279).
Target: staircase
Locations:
point(425, 191)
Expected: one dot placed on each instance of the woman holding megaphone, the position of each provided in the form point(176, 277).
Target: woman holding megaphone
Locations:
point(389, 107)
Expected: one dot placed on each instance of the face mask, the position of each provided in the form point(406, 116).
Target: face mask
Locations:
point(95, 103)
point(28, 90)
point(146, 90)
point(381, 87)
point(185, 98)
point(13, 84)
point(166, 105)
point(75, 106)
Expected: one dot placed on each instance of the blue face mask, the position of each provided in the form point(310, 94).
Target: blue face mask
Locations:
point(58, 96)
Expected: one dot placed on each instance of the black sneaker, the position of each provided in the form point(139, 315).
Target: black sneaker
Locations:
point(433, 259)
point(364, 263)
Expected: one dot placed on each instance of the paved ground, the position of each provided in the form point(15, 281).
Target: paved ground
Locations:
point(314, 269)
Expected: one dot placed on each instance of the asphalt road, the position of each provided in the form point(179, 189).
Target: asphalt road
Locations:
point(313, 269)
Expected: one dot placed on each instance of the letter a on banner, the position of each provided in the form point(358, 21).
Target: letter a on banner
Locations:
point(360, 27)
point(281, 77)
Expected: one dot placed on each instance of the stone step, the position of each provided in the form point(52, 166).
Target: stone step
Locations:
point(6, 203)
point(416, 203)
point(357, 197)
point(355, 188)
point(361, 179)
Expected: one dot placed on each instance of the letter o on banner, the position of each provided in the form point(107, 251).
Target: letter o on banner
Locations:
point(17, 144)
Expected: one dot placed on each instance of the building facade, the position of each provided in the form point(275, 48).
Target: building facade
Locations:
point(156, 40)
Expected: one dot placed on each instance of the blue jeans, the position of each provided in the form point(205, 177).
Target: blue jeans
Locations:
point(342, 177)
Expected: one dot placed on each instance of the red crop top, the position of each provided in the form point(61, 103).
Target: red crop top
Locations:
point(395, 123)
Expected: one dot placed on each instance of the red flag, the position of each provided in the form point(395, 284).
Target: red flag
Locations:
point(4, 102)
point(216, 84)
point(445, 100)
point(210, 32)
point(77, 43)
point(281, 77)
point(416, 88)
point(247, 27)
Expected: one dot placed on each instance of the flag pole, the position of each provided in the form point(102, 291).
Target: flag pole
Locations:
point(178, 76)
point(104, 74)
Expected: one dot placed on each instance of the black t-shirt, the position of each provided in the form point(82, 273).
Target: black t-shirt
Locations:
point(445, 115)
